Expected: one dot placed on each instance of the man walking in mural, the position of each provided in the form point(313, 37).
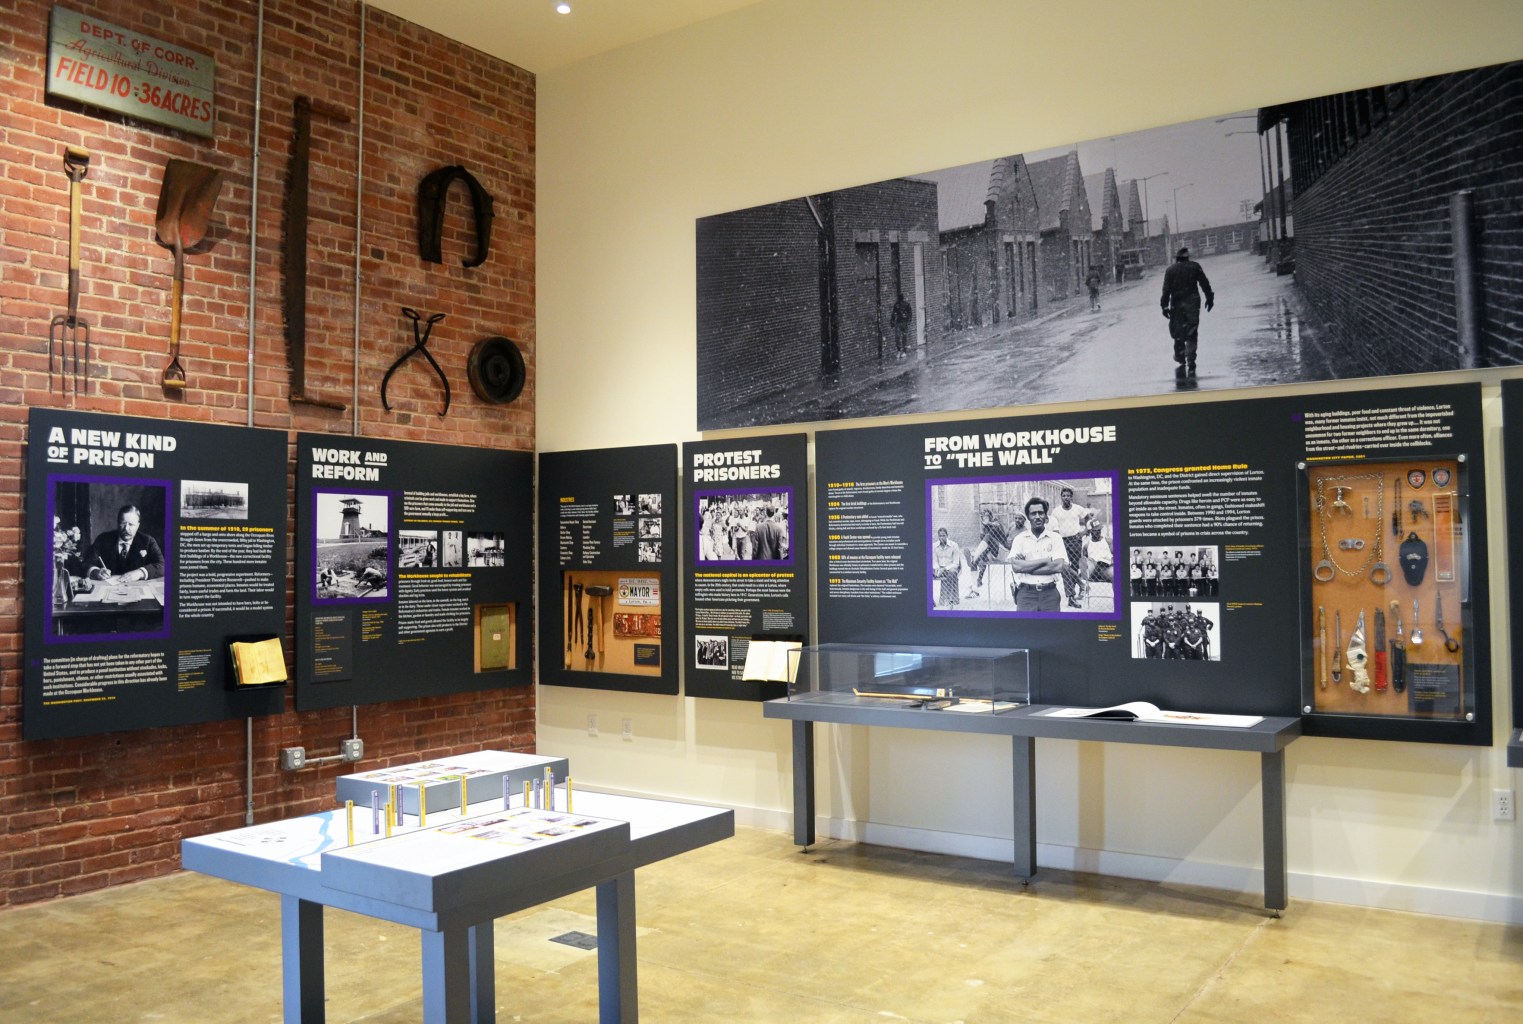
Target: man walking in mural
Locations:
point(902, 313)
point(1183, 284)
point(1092, 282)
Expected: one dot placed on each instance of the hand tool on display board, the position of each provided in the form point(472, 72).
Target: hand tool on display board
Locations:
point(590, 655)
point(1398, 652)
point(602, 593)
point(1358, 655)
point(1322, 647)
point(1380, 651)
point(185, 208)
point(420, 332)
point(1417, 632)
point(1450, 644)
point(1337, 647)
point(294, 250)
point(66, 332)
point(576, 620)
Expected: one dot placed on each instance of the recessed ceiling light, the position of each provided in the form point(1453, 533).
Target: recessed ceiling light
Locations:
point(563, 8)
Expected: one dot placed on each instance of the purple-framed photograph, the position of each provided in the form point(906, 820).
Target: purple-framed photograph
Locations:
point(351, 543)
point(1022, 546)
point(744, 527)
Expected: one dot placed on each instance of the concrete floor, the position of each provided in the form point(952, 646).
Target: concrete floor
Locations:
point(751, 930)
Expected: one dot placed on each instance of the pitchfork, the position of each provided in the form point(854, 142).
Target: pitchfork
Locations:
point(66, 332)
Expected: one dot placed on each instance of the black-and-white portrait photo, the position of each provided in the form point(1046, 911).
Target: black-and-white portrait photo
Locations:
point(1361, 234)
point(1181, 630)
point(623, 504)
point(452, 556)
point(110, 568)
point(1029, 546)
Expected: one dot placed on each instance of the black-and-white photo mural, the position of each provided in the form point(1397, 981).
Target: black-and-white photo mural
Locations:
point(1361, 234)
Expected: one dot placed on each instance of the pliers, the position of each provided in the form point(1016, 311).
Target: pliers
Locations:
point(420, 333)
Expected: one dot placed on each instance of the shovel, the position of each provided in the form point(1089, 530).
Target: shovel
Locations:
point(185, 208)
point(66, 332)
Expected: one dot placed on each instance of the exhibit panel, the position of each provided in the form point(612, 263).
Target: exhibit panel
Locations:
point(1142, 557)
point(412, 569)
point(148, 555)
point(607, 568)
point(746, 577)
point(1512, 456)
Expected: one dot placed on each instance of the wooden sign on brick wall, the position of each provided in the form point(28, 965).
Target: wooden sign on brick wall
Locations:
point(104, 65)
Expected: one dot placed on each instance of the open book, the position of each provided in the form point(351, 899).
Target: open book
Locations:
point(1142, 711)
point(767, 661)
point(259, 663)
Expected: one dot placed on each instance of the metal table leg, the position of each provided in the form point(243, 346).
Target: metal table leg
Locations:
point(447, 976)
point(301, 950)
point(1023, 785)
point(482, 941)
point(1276, 867)
point(803, 783)
point(618, 978)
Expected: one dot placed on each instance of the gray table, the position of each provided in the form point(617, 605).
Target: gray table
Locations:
point(453, 891)
point(1026, 724)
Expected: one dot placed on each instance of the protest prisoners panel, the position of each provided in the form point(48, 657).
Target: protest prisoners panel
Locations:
point(1170, 564)
point(746, 578)
point(148, 551)
point(412, 570)
point(608, 569)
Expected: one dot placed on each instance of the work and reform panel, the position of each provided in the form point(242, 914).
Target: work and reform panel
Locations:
point(412, 569)
point(1186, 555)
point(607, 568)
point(746, 527)
point(149, 554)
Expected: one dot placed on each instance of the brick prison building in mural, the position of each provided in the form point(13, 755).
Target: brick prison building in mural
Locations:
point(1408, 206)
point(804, 290)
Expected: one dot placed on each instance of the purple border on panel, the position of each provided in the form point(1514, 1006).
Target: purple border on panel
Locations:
point(166, 546)
point(701, 563)
point(391, 561)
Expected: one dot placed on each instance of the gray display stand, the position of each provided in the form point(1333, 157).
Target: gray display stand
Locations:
point(452, 887)
point(485, 772)
point(1024, 725)
point(1515, 749)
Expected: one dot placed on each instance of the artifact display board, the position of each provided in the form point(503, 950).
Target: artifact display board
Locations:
point(148, 552)
point(1389, 553)
point(607, 568)
point(746, 527)
point(1512, 455)
point(1143, 557)
point(412, 569)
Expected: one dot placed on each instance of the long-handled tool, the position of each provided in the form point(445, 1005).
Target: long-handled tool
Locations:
point(601, 592)
point(294, 259)
point(66, 332)
point(185, 209)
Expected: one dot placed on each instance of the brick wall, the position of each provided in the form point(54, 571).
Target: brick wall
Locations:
point(1373, 234)
point(85, 813)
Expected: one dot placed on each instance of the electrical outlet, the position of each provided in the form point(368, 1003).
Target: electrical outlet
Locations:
point(592, 725)
point(293, 759)
point(1503, 806)
point(351, 749)
point(629, 729)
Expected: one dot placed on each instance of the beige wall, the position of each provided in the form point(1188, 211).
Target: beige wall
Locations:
point(795, 96)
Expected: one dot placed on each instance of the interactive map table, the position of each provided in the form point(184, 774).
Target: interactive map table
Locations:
point(452, 878)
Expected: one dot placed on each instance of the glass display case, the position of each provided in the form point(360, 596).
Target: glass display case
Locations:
point(979, 680)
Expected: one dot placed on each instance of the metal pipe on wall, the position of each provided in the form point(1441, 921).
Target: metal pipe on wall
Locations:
point(1467, 328)
point(248, 809)
point(359, 220)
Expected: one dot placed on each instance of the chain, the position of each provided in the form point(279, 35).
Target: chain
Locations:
point(1375, 549)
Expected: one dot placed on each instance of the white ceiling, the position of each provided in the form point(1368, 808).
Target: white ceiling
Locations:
point(530, 34)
